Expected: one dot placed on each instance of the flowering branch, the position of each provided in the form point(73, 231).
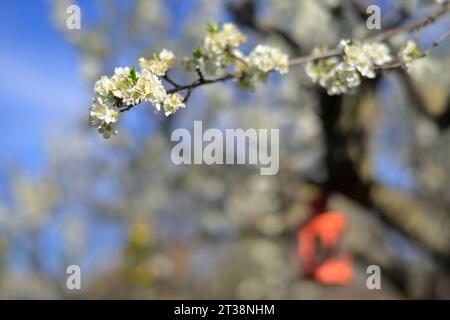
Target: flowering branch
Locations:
point(218, 60)
point(340, 70)
point(381, 37)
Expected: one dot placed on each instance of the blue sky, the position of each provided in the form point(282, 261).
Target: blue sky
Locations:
point(43, 96)
point(42, 91)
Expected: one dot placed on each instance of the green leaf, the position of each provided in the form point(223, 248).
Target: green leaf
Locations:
point(212, 28)
point(198, 53)
point(154, 56)
point(133, 75)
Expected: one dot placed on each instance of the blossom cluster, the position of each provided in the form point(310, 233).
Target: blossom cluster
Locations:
point(220, 50)
point(260, 62)
point(342, 73)
point(127, 88)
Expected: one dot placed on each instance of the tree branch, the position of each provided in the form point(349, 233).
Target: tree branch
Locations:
point(429, 19)
point(249, 19)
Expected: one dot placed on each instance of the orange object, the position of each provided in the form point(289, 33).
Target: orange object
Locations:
point(334, 271)
point(318, 240)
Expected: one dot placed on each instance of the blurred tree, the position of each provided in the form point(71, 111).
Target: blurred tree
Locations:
point(224, 231)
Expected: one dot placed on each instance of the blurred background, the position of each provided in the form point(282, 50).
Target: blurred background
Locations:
point(141, 227)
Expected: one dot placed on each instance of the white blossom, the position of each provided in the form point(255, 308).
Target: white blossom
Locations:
point(218, 40)
point(378, 52)
point(366, 57)
point(127, 88)
point(104, 109)
point(341, 74)
point(159, 64)
point(266, 59)
point(343, 78)
point(410, 52)
point(120, 83)
point(336, 75)
point(104, 86)
point(167, 58)
point(150, 88)
point(357, 57)
point(103, 114)
point(172, 103)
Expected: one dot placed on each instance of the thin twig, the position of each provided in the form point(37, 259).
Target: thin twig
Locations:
point(414, 26)
point(437, 42)
point(200, 74)
point(199, 82)
point(230, 52)
point(169, 80)
point(186, 98)
point(314, 57)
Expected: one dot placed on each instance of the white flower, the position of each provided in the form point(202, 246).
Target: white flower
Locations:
point(378, 52)
point(111, 115)
point(341, 74)
point(120, 82)
point(167, 58)
point(172, 103)
point(231, 35)
point(319, 70)
point(366, 57)
point(159, 64)
point(217, 41)
point(144, 63)
point(104, 110)
point(151, 88)
point(104, 86)
point(334, 74)
point(344, 77)
point(260, 62)
point(156, 66)
point(145, 87)
point(125, 87)
point(266, 59)
point(357, 57)
point(410, 52)
point(103, 114)
point(218, 50)
point(122, 72)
